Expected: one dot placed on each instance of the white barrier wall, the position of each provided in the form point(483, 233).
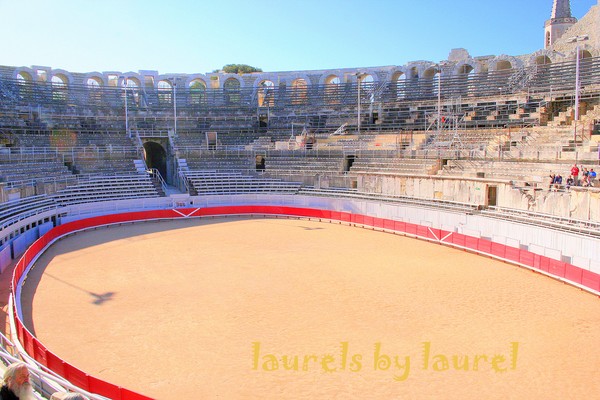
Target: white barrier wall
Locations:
point(5, 258)
point(21, 243)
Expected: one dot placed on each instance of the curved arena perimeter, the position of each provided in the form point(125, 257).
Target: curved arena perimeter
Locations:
point(457, 152)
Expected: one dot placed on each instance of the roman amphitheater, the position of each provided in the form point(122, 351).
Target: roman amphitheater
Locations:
point(384, 232)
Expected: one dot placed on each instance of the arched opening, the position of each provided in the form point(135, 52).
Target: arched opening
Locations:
point(542, 60)
point(155, 156)
point(165, 92)
point(197, 92)
point(59, 88)
point(24, 81)
point(24, 77)
point(367, 88)
point(503, 66)
point(399, 79)
point(266, 94)
point(431, 81)
point(231, 91)
point(466, 74)
point(299, 91)
point(333, 89)
point(131, 86)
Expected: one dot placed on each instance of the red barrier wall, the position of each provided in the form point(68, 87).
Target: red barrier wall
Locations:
point(91, 384)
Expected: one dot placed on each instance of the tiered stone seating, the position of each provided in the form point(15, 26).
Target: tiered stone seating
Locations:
point(214, 182)
point(37, 169)
point(401, 166)
point(92, 160)
point(310, 164)
point(207, 160)
point(15, 210)
point(95, 188)
point(533, 173)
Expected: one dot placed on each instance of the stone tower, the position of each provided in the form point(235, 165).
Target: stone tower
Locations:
point(559, 22)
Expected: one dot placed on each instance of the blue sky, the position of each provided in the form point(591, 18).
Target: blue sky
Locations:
point(181, 36)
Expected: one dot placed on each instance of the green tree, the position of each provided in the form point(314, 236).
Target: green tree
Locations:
point(239, 69)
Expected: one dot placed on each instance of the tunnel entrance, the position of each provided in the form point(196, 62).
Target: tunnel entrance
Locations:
point(155, 156)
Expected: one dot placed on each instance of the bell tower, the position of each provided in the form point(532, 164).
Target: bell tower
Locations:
point(559, 22)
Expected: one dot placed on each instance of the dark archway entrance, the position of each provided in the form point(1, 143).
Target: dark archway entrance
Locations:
point(156, 157)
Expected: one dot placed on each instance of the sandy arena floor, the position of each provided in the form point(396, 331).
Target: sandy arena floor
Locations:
point(294, 309)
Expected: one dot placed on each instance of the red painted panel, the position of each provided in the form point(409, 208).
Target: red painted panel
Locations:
point(543, 263)
point(471, 242)
point(400, 226)
point(459, 239)
point(336, 215)
point(422, 231)
point(388, 224)
point(39, 352)
point(573, 273)
point(105, 389)
point(484, 246)
point(77, 376)
point(434, 233)
point(527, 258)
point(346, 217)
point(410, 228)
point(590, 279)
point(378, 223)
point(55, 364)
point(368, 220)
point(512, 253)
point(27, 342)
point(358, 219)
point(556, 268)
point(129, 395)
point(498, 249)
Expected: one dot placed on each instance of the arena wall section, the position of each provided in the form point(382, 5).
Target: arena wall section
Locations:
point(455, 229)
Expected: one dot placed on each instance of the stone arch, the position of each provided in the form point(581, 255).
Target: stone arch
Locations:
point(23, 75)
point(231, 90)
point(505, 63)
point(413, 72)
point(155, 156)
point(263, 92)
point(165, 91)
point(93, 79)
point(398, 80)
point(63, 75)
point(542, 57)
point(430, 80)
point(333, 88)
point(542, 60)
point(197, 90)
point(60, 87)
point(266, 93)
point(94, 83)
point(131, 84)
point(465, 73)
point(299, 91)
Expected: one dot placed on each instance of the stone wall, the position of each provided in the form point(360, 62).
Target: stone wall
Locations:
point(577, 203)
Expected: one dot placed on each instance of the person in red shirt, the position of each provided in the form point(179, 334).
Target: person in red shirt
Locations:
point(575, 174)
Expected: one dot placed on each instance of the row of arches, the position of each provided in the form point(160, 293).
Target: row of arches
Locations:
point(200, 82)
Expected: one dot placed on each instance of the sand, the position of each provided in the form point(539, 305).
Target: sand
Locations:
point(234, 308)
